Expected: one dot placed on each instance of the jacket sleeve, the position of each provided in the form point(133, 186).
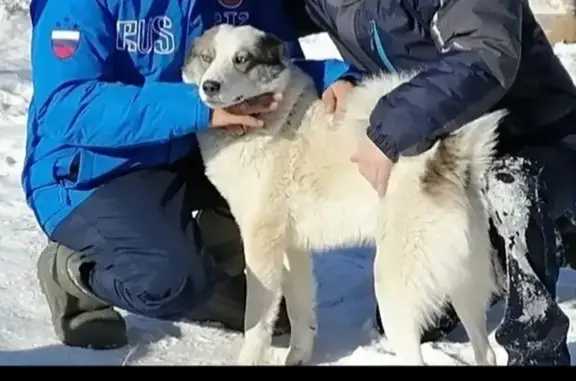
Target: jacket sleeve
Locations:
point(480, 43)
point(78, 100)
point(325, 72)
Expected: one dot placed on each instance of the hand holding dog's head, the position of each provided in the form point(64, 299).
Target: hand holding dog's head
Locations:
point(234, 64)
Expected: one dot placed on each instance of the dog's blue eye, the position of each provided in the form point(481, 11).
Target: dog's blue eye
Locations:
point(239, 60)
point(206, 58)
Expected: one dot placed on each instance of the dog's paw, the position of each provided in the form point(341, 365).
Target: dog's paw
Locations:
point(247, 360)
point(487, 359)
point(252, 356)
point(298, 356)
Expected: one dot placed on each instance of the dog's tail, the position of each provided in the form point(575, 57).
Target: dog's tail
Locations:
point(475, 144)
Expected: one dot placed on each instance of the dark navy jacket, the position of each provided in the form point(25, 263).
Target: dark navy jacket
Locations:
point(474, 56)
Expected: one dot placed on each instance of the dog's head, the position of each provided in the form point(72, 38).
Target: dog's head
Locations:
point(231, 64)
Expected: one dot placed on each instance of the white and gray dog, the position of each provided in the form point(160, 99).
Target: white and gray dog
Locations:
point(292, 188)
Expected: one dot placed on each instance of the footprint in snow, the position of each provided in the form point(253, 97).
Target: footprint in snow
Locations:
point(10, 161)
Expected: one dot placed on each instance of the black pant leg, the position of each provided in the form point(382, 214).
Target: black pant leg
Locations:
point(527, 193)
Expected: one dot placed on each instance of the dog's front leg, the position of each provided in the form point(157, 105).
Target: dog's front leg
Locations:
point(264, 248)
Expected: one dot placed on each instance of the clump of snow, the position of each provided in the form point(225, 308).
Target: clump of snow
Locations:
point(345, 296)
point(14, 7)
point(567, 54)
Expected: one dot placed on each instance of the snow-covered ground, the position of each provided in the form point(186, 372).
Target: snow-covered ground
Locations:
point(345, 284)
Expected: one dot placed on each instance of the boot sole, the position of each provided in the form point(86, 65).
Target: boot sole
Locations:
point(101, 333)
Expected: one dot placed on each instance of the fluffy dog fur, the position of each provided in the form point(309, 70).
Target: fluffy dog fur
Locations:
point(292, 188)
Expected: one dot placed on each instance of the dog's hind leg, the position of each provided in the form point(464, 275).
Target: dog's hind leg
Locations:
point(264, 248)
point(399, 312)
point(470, 304)
point(300, 290)
point(472, 297)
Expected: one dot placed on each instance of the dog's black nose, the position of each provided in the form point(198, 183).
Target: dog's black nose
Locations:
point(211, 87)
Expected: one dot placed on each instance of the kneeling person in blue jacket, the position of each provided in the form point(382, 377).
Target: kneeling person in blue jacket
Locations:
point(113, 172)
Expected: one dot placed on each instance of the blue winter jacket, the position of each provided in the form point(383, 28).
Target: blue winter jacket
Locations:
point(108, 96)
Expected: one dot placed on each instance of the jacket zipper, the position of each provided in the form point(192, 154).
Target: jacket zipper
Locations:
point(380, 47)
point(66, 182)
point(64, 193)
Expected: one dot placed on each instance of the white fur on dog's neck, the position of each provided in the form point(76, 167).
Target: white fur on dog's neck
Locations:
point(298, 98)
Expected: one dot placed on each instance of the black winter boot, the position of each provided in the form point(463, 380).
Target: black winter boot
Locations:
point(79, 318)
point(221, 240)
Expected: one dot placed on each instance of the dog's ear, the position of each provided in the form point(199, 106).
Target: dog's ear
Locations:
point(203, 43)
point(271, 50)
point(199, 55)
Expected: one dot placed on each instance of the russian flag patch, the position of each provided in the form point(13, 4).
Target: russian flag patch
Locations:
point(65, 42)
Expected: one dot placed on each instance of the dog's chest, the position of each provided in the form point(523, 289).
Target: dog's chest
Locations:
point(236, 164)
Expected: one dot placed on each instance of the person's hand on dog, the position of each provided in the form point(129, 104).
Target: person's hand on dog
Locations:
point(373, 164)
point(335, 95)
point(245, 115)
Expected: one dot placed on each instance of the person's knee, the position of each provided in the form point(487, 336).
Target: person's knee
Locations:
point(515, 192)
point(172, 300)
point(510, 174)
point(164, 291)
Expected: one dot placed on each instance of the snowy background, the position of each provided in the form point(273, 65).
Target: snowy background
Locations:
point(345, 300)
